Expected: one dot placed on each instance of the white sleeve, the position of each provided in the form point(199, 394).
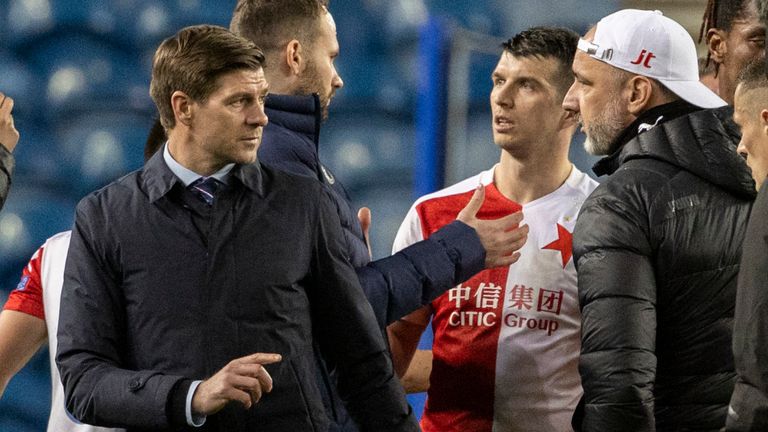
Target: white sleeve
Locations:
point(410, 231)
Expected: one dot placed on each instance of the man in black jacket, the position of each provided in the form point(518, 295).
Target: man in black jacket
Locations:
point(749, 403)
point(657, 245)
point(199, 283)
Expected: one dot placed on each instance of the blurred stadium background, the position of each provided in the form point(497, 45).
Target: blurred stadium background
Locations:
point(79, 74)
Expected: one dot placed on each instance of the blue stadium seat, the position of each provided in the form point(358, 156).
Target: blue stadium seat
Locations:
point(375, 82)
point(30, 216)
point(366, 148)
point(217, 12)
point(479, 16)
point(98, 148)
point(37, 158)
point(28, 20)
point(20, 82)
point(150, 21)
point(83, 73)
point(389, 205)
point(363, 31)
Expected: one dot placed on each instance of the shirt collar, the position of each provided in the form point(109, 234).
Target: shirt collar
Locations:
point(187, 176)
point(159, 179)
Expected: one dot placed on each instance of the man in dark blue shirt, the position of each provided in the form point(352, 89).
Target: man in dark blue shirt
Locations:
point(205, 279)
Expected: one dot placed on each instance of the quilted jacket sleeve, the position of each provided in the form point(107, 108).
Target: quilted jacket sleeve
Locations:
point(617, 295)
point(413, 277)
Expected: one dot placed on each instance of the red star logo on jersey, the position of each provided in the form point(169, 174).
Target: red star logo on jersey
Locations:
point(564, 244)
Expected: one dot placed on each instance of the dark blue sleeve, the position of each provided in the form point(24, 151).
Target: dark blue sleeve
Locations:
point(400, 284)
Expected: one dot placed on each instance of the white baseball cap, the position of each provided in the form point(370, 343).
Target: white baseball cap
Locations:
point(648, 43)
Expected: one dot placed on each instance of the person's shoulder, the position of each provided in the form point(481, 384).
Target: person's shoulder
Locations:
point(113, 195)
point(630, 192)
point(274, 177)
point(581, 184)
point(59, 241)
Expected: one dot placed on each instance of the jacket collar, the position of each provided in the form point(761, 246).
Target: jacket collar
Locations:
point(158, 179)
point(702, 143)
point(301, 114)
point(643, 123)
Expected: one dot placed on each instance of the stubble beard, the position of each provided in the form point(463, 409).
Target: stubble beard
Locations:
point(603, 131)
point(311, 84)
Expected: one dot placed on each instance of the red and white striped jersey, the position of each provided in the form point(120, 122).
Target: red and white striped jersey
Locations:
point(507, 341)
point(39, 294)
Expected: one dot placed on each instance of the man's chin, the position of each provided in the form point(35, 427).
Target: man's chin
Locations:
point(594, 148)
point(246, 157)
point(590, 147)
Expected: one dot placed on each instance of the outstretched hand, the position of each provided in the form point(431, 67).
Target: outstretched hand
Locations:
point(502, 238)
point(243, 380)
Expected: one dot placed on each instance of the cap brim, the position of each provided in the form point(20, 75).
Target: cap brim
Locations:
point(695, 93)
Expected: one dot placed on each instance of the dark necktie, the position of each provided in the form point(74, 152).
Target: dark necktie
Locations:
point(205, 189)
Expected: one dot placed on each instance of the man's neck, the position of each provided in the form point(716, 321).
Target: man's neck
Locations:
point(523, 180)
point(183, 152)
point(279, 81)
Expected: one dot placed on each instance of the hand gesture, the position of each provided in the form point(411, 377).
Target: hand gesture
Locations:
point(501, 238)
point(243, 380)
point(9, 136)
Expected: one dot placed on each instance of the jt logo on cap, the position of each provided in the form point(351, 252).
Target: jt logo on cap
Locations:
point(644, 58)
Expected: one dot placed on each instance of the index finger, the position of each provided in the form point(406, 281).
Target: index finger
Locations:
point(6, 105)
point(263, 358)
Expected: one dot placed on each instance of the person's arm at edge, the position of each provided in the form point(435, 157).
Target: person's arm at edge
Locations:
point(22, 322)
point(404, 335)
point(21, 335)
point(416, 378)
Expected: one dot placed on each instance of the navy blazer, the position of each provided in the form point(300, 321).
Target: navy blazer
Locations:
point(160, 290)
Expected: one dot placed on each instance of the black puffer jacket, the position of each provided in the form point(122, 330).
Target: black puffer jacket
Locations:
point(658, 246)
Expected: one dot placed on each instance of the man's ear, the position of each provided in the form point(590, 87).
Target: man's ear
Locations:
point(640, 90)
point(293, 55)
point(764, 121)
point(717, 45)
point(183, 107)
